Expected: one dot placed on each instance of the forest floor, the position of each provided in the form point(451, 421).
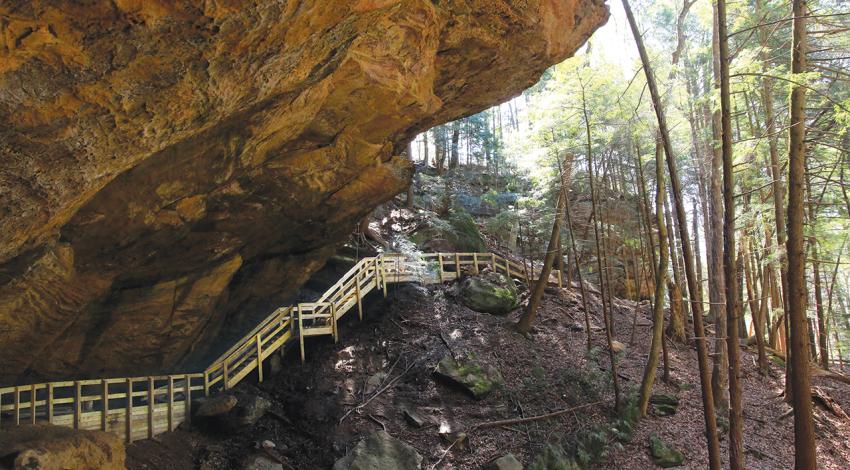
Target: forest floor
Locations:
point(398, 346)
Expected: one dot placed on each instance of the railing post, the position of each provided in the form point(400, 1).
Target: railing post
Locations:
point(301, 333)
point(440, 260)
point(333, 322)
point(78, 411)
point(457, 265)
point(17, 405)
point(383, 276)
point(128, 426)
point(50, 403)
point(206, 383)
point(475, 262)
point(225, 373)
point(104, 405)
point(259, 358)
point(357, 291)
point(560, 281)
point(187, 398)
point(32, 404)
point(150, 407)
point(170, 403)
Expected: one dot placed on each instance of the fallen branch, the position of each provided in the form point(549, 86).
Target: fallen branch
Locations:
point(382, 390)
point(505, 422)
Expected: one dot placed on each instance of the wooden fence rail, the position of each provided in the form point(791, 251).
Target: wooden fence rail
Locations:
point(142, 407)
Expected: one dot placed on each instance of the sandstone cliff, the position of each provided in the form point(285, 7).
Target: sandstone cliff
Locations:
point(168, 164)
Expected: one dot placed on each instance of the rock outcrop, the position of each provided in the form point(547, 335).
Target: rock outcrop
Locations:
point(169, 169)
point(56, 447)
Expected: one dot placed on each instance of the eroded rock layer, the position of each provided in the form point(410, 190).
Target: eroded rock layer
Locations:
point(167, 166)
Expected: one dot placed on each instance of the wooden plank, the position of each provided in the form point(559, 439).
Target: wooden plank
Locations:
point(50, 403)
point(187, 398)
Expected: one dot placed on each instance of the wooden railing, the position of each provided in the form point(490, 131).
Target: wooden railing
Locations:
point(142, 407)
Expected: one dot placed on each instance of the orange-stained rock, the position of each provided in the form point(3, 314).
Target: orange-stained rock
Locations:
point(169, 168)
point(50, 447)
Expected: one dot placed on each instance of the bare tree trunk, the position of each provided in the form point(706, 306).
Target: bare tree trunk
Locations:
point(696, 306)
point(453, 159)
point(660, 280)
point(756, 312)
point(716, 280)
point(804, 432)
point(527, 318)
point(578, 268)
point(600, 253)
point(736, 413)
point(676, 329)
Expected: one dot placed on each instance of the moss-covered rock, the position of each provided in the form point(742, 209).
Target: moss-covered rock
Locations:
point(489, 293)
point(475, 379)
point(380, 451)
point(663, 455)
point(457, 232)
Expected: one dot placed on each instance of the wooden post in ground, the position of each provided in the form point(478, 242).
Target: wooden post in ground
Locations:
point(440, 260)
point(150, 407)
point(259, 358)
point(32, 404)
point(357, 293)
point(128, 426)
point(383, 277)
point(16, 406)
point(457, 266)
point(475, 262)
point(170, 403)
point(225, 373)
point(50, 403)
point(78, 411)
point(187, 399)
point(206, 384)
point(104, 406)
point(301, 332)
point(333, 322)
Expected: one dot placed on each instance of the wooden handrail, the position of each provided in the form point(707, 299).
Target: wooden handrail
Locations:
point(142, 407)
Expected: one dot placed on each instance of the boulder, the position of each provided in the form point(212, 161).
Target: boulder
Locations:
point(413, 417)
point(505, 462)
point(380, 451)
point(457, 232)
point(663, 455)
point(228, 413)
point(50, 447)
point(663, 399)
point(489, 292)
point(260, 461)
point(477, 380)
point(216, 406)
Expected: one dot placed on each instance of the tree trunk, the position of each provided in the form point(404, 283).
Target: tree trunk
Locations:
point(453, 160)
point(696, 306)
point(804, 431)
point(527, 318)
point(566, 196)
point(660, 280)
point(676, 329)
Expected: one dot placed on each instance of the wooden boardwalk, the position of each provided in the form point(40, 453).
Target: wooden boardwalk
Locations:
point(142, 407)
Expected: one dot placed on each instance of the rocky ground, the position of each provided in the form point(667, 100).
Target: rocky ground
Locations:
point(385, 375)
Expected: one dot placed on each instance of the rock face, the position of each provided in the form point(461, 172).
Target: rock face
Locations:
point(169, 169)
point(55, 447)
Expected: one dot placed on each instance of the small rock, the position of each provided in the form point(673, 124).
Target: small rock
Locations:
point(380, 451)
point(413, 418)
point(469, 375)
point(249, 410)
point(373, 382)
point(268, 444)
point(458, 440)
point(506, 462)
point(663, 455)
point(260, 462)
point(664, 410)
point(617, 346)
point(216, 406)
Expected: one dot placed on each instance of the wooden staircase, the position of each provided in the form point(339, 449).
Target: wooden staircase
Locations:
point(142, 407)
